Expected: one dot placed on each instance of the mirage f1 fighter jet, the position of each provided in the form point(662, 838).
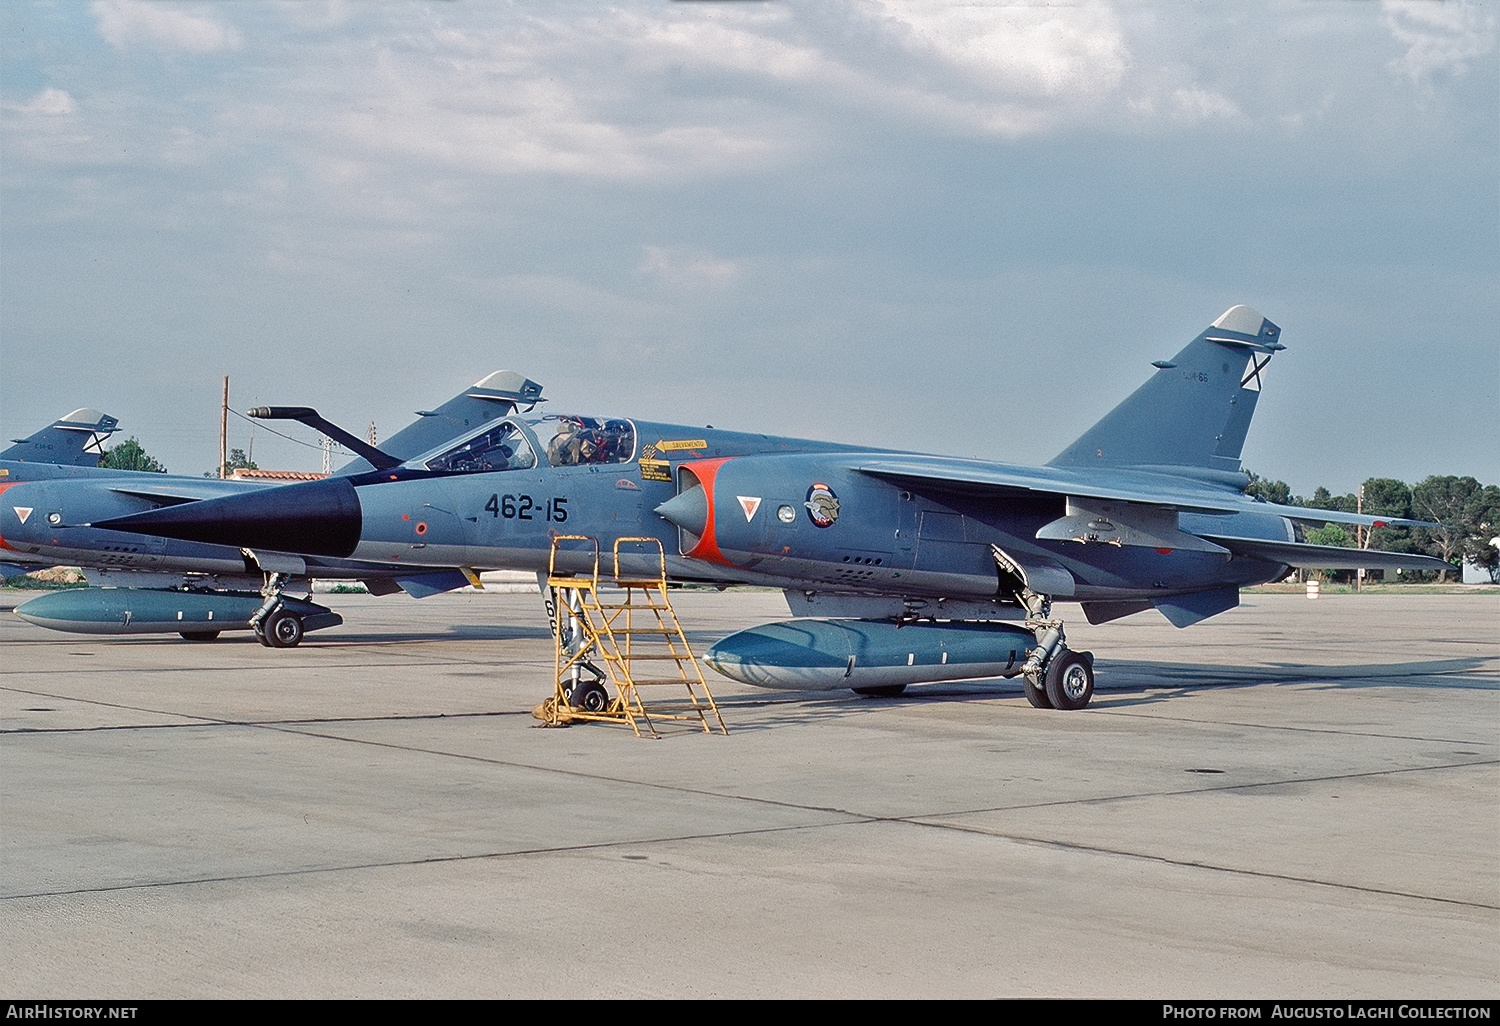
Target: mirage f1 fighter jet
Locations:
point(145, 584)
point(900, 568)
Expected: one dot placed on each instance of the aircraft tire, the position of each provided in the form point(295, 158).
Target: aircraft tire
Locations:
point(884, 691)
point(1070, 680)
point(1036, 696)
point(199, 635)
point(589, 696)
point(283, 630)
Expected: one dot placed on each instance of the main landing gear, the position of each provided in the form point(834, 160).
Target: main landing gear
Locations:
point(1055, 676)
point(274, 624)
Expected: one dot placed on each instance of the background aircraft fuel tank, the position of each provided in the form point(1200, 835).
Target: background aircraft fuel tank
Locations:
point(826, 655)
point(149, 611)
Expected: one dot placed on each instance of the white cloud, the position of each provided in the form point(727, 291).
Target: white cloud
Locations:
point(686, 268)
point(1197, 104)
point(1439, 37)
point(124, 22)
point(50, 103)
point(1039, 51)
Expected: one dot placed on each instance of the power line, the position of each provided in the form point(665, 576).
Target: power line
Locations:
point(297, 441)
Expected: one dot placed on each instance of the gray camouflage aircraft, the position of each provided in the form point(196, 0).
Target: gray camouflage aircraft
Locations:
point(901, 568)
point(147, 584)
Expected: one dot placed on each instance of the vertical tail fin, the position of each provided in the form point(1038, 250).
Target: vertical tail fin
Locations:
point(76, 440)
point(498, 395)
point(1193, 414)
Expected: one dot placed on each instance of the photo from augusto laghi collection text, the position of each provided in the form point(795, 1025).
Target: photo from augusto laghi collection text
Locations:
point(1327, 1010)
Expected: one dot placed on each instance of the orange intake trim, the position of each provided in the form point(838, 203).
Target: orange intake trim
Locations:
point(707, 548)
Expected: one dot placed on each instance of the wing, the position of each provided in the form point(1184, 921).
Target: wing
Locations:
point(1142, 508)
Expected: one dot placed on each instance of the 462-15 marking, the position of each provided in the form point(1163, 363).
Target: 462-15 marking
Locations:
point(524, 507)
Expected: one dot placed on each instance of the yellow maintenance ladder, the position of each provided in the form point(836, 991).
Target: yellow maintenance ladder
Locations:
point(627, 624)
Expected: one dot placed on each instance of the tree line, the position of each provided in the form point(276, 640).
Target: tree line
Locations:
point(1467, 514)
point(129, 455)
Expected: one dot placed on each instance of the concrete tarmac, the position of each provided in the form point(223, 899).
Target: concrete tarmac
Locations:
point(1295, 799)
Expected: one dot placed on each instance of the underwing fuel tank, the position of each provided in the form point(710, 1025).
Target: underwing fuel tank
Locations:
point(826, 655)
point(150, 611)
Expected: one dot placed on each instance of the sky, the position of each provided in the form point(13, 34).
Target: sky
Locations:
point(961, 228)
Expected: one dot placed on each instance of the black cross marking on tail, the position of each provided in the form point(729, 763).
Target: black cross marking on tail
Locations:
point(1251, 380)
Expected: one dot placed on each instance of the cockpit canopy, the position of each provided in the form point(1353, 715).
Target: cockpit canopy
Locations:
point(568, 441)
point(576, 441)
point(502, 446)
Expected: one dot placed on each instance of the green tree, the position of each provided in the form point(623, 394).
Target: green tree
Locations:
point(1323, 499)
point(129, 455)
point(1484, 518)
point(1329, 534)
point(237, 461)
point(1387, 497)
point(1271, 491)
point(1458, 506)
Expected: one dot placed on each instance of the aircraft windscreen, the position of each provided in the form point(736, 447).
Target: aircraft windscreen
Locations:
point(576, 441)
point(502, 447)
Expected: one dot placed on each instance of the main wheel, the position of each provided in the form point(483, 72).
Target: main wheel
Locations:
point(1036, 696)
point(1070, 680)
point(589, 696)
point(884, 691)
point(283, 630)
point(199, 635)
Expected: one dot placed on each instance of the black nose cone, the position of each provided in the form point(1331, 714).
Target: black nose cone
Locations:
point(313, 518)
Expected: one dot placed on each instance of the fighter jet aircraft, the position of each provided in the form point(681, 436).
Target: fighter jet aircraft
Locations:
point(147, 584)
point(902, 568)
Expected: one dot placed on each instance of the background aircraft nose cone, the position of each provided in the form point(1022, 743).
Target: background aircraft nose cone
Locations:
point(315, 518)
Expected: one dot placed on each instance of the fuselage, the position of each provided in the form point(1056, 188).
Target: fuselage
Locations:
point(770, 511)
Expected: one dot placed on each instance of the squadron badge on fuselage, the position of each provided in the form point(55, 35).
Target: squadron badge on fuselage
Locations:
point(822, 505)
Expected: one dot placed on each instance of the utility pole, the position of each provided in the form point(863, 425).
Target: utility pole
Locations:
point(224, 432)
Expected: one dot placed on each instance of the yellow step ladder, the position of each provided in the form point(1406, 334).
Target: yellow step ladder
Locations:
point(623, 630)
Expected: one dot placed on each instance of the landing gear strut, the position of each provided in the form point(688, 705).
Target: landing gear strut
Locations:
point(275, 626)
point(1055, 676)
point(585, 693)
